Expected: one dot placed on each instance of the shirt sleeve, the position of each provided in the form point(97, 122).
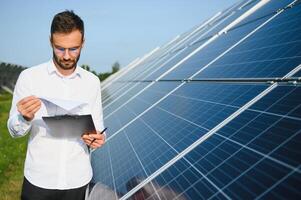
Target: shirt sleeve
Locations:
point(97, 112)
point(16, 124)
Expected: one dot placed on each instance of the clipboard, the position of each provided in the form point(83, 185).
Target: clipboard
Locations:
point(69, 126)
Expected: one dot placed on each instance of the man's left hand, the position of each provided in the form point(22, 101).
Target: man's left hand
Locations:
point(93, 139)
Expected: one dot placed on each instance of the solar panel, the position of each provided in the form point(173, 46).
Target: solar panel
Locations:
point(214, 114)
point(163, 60)
point(257, 154)
point(249, 56)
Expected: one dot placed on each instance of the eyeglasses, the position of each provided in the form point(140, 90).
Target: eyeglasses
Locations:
point(74, 51)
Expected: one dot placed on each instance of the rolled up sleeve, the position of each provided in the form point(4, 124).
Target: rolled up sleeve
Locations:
point(16, 124)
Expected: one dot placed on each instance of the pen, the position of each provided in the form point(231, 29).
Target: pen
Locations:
point(99, 133)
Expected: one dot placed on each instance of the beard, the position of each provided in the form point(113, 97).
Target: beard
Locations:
point(66, 64)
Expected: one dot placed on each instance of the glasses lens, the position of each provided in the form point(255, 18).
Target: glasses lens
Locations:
point(72, 51)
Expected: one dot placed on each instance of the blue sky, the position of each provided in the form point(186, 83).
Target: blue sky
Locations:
point(115, 30)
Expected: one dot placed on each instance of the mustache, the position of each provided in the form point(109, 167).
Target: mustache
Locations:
point(61, 65)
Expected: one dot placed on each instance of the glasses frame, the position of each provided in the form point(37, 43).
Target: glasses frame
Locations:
point(61, 51)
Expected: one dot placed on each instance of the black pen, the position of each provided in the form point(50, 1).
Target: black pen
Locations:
point(99, 133)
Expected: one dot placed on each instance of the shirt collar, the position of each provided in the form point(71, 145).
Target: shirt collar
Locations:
point(53, 70)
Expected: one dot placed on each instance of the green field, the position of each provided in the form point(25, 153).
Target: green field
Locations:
point(12, 155)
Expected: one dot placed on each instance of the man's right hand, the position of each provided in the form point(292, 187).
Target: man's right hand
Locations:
point(28, 107)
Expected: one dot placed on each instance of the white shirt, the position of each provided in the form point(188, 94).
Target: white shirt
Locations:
point(53, 163)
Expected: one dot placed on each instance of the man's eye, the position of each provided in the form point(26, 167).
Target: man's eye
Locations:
point(73, 49)
point(61, 49)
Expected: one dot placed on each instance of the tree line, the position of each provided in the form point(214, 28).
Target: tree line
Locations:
point(9, 74)
point(104, 75)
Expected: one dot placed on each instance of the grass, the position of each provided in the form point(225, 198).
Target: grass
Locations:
point(12, 155)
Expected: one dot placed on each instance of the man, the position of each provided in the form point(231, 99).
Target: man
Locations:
point(57, 168)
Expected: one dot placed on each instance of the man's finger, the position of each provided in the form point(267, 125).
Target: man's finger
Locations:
point(87, 138)
point(30, 111)
point(33, 106)
point(97, 136)
point(26, 99)
point(36, 109)
point(98, 142)
point(95, 146)
point(30, 103)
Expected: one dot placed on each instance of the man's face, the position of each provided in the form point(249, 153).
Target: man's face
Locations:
point(66, 49)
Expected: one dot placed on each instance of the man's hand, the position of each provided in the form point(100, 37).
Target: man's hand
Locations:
point(28, 107)
point(89, 139)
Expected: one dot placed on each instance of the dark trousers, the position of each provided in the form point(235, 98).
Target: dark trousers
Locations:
point(32, 192)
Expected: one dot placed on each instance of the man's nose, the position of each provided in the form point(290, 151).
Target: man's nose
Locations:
point(66, 55)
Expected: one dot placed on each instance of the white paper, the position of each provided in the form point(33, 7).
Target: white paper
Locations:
point(67, 105)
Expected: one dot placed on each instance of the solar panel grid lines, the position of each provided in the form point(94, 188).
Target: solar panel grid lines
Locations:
point(192, 55)
point(210, 137)
point(167, 48)
point(185, 38)
point(120, 88)
point(263, 64)
point(141, 164)
point(199, 141)
point(273, 159)
point(124, 91)
point(186, 70)
point(168, 71)
point(233, 46)
point(143, 112)
point(123, 71)
point(152, 65)
point(210, 37)
point(182, 40)
point(189, 162)
point(243, 16)
point(245, 4)
point(276, 184)
point(204, 37)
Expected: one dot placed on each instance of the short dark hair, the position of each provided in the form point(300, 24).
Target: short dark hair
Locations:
point(66, 22)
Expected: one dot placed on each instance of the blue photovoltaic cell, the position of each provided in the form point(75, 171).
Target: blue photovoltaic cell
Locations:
point(115, 90)
point(144, 68)
point(256, 155)
point(203, 36)
point(134, 87)
point(119, 116)
point(125, 94)
point(206, 104)
point(180, 177)
point(158, 135)
point(298, 74)
point(210, 52)
point(272, 51)
point(124, 164)
point(105, 175)
point(117, 120)
point(150, 72)
point(226, 18)
point(175, 57)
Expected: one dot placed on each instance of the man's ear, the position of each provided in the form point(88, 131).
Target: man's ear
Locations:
point(50, 40)
point(83, 43)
